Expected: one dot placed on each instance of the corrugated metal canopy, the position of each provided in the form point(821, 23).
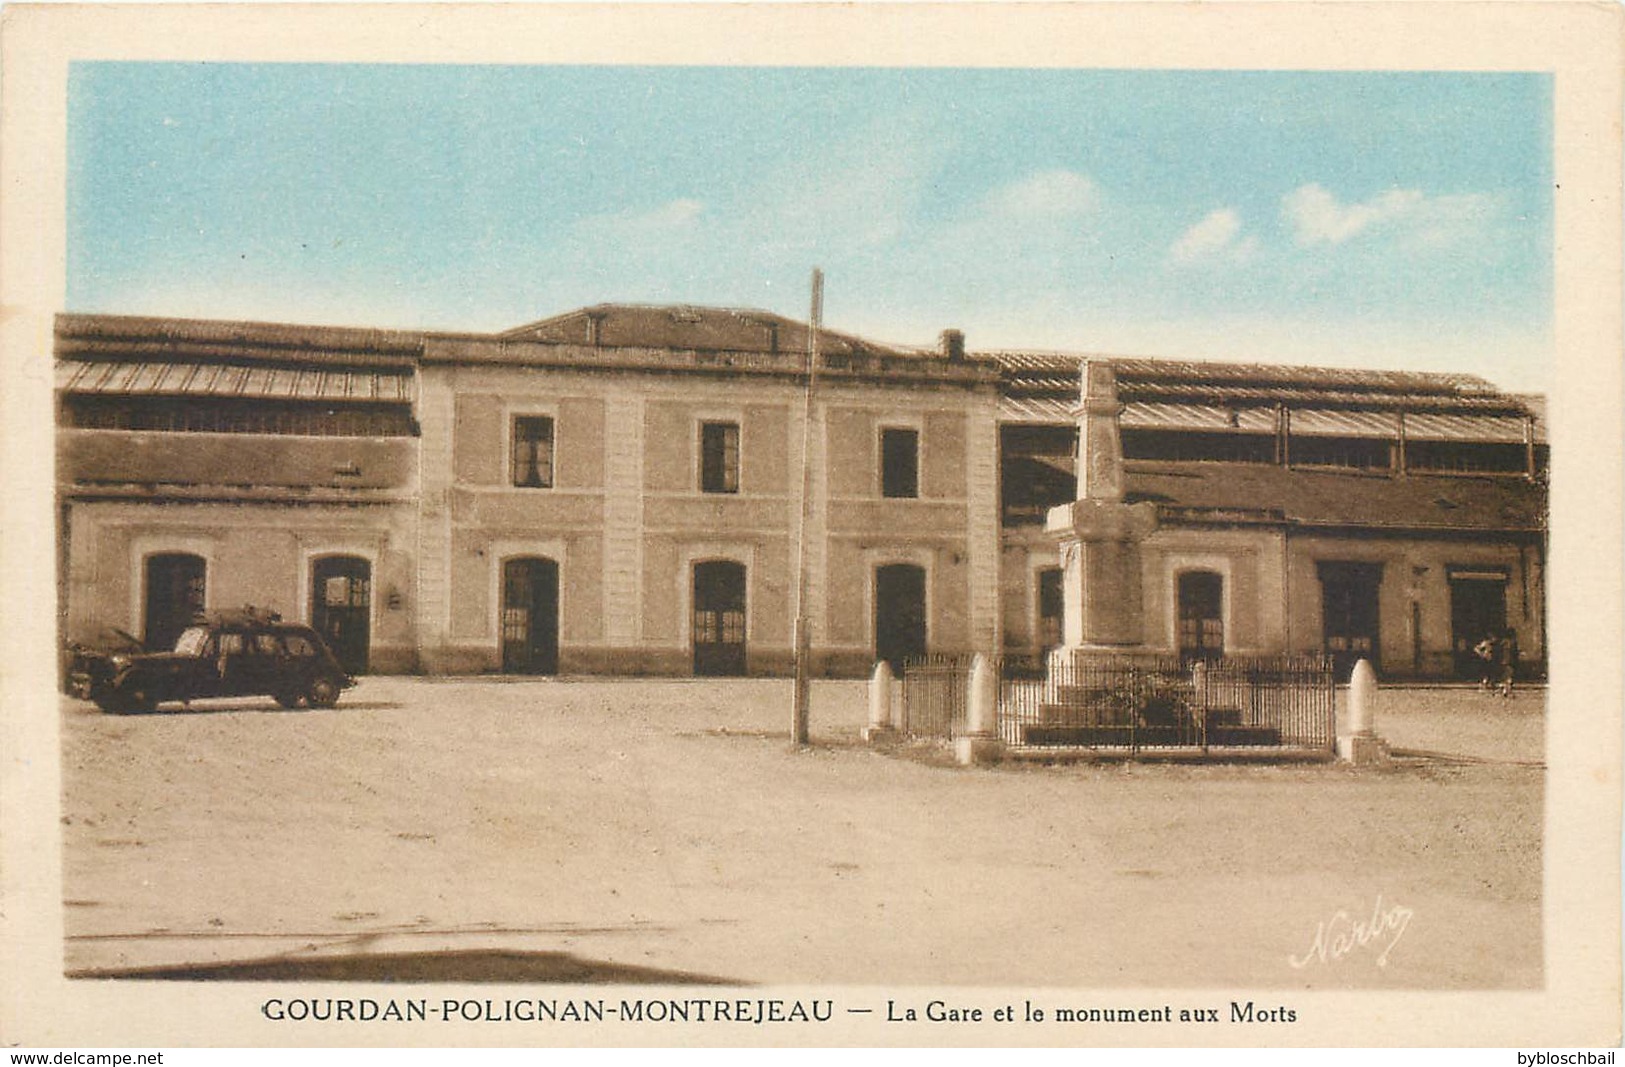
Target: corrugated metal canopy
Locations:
point(1247, 379)
point(1142, 416)
point(1037, 410)
point(1306, 422)
point(1316, 423)
point(1504, 428)
point(231, 380)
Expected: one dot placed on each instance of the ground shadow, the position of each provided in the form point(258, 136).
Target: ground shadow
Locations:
point(270, 707)
point(471, 965)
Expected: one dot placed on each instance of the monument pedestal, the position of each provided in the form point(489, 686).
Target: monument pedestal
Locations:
point(1100, 550)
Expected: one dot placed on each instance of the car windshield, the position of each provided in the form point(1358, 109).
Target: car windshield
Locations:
point(191, 640)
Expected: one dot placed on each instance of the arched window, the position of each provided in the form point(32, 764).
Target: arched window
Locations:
point(530, 616)
point(1201, 615)
point(341, 608)
point(174, 597)
point(900, 627)
point(719, 618)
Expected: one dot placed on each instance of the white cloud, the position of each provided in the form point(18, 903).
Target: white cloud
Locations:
point(860, 191)
point(1447, 220)
point(668, 218)
point(1420, 221)
point(1063, 193)
point(1032, 234)
point(1318, 218)
point(1215, 235)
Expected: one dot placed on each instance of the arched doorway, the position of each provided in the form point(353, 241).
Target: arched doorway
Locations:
point(899, 613)
point(341, 608)
point(530, 616)
point(1478, 609)
point(719, 618)
point(1201, 615)
point(174, 597)
point(1349, 614)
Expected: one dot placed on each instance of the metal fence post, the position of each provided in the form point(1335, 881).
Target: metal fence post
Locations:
point(1199, 700)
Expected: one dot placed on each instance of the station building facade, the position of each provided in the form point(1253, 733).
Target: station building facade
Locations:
point(618, 490)
point(1205, 509)
point(612, 491)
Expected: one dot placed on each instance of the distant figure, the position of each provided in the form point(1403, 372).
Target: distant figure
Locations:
point(1485, 651)
point(1506, 661)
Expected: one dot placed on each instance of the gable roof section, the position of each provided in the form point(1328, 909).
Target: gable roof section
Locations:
point(685, 327)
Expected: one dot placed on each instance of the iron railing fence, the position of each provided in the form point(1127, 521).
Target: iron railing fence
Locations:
point(1157, 701)
point(1133, 701)
point(935, 692)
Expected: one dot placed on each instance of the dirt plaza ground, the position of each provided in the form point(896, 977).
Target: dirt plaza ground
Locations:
point(593, 830)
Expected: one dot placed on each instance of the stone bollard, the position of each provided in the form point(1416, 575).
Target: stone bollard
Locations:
point(981, 741)
point(1360, 745)
point(881, 728)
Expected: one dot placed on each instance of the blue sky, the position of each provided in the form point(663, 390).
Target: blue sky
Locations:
point(1390, 220)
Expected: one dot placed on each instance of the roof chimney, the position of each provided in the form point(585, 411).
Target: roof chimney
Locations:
point(953, 344)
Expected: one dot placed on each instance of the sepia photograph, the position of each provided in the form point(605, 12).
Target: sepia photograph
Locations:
point(786, 546)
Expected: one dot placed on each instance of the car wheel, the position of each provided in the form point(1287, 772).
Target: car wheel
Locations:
point(136, 700)
point(288, 699)
point(324, 693)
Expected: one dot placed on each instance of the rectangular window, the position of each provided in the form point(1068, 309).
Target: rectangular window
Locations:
point(719, 457)
point(899, 463)
point(1051, 606)
point(1467, 456)
point(1037, 466)
point(533, 451)
point(1198, 446)
point(1358, 453)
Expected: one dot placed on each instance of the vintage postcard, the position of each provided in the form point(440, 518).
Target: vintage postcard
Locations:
point(812, 525)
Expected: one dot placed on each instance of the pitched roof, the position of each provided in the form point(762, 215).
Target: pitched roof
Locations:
point(686, 327)
point(1042, 387)
point(1046, 368)
point(144, 338)
point(1343, 498)
point(127, 355)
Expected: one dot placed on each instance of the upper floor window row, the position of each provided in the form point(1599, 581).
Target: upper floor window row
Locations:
point(1193, 445)
point(532, 444)
point(1321, 450)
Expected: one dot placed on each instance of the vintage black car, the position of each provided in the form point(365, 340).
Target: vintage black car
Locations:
point(228, 654)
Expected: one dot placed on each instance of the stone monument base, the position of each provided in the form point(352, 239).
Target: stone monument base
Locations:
point(1363, 750)
point(977, 749)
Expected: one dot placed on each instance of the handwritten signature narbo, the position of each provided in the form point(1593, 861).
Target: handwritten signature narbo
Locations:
point(1343, 934)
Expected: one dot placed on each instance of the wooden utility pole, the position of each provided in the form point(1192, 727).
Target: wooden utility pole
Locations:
point(802, 639)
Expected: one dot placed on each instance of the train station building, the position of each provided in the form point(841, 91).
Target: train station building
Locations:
point(618, 490)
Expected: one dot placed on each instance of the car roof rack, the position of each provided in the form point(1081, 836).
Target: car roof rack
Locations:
point(247, 615)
